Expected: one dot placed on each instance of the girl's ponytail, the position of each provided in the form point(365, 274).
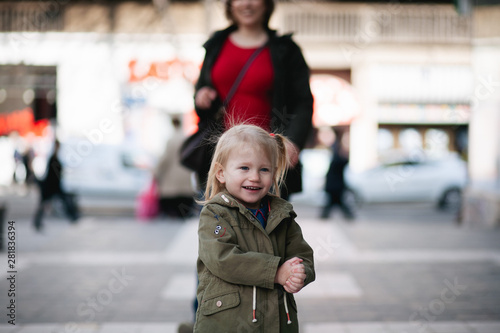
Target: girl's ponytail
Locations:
point(282, 160)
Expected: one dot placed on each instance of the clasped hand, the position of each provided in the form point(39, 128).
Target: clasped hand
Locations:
point(291, 275)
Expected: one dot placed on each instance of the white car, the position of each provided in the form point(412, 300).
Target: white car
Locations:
point(413, 179)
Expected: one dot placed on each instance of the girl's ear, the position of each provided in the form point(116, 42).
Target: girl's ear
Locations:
point(219, 174)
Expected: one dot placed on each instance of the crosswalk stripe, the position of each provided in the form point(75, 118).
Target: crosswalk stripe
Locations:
point(180, 287)
point(330, 244)
point(327, 327)
point(184, 247)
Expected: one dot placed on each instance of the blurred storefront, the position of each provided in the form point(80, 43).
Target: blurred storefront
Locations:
point(117, 72)
point(398, 75)
point(422, 107)
point(409, 70)
point(27, 106)
point(482, 198)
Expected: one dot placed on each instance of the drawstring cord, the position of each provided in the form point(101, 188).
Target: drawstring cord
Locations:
point(254, 306)
point(286, 309)
point(254, 303)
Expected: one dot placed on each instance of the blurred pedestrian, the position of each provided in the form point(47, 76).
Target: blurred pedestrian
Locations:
point(23, 158)
point(176, 193)
point(50, 188)
point(274, 91)
point(27, 158)
point(335, 186)
point(250, 247)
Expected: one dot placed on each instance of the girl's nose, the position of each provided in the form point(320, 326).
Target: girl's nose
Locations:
point(254, 176)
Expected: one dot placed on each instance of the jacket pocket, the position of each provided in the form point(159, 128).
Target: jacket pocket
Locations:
point(220, 303)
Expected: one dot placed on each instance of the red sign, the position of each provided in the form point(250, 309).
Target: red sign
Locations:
point(163, 70)
point(23, 122)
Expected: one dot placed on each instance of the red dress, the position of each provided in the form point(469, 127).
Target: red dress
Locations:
point(252, 101)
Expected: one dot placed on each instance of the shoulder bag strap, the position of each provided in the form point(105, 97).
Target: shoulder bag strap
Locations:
point(242, 74)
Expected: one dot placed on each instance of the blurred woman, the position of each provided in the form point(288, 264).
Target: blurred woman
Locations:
point(274, 93)
point(174, 181)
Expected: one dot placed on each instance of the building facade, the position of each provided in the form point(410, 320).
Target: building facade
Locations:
point(412, 78)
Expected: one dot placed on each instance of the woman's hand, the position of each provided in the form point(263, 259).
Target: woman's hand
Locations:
point(204, 97)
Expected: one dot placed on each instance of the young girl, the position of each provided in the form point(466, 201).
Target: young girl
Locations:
point(252, 255)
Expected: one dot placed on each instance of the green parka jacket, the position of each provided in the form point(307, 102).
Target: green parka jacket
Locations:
point(237, 264)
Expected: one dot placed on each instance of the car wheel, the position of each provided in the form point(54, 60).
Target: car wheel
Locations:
point(451, 200)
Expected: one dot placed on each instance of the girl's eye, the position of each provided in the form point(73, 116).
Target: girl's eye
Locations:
point(264, 170)
point(244, 168)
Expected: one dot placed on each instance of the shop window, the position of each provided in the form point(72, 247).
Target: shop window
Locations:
point(410, 139)
point(437, 142)
point(335, 103)
point(385, 140)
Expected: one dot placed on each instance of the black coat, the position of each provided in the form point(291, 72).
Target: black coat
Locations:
point(335, 183)
point(51, 185)
point(292, 101)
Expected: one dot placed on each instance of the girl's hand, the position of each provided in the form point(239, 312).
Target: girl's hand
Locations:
point(296, 280)
point(293, 287)
point(284, 272)
point(204, 97)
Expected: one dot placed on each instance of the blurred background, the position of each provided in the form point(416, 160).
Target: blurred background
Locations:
point(407, 81)
point(410, 89)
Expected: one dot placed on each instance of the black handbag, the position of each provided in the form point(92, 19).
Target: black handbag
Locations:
point(196, 151)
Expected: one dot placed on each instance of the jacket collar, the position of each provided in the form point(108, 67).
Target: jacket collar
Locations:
point(279, 209)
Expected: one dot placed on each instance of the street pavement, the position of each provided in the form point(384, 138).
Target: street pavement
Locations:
point(398, 268)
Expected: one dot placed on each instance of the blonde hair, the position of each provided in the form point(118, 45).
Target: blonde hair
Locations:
point(274, 145)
